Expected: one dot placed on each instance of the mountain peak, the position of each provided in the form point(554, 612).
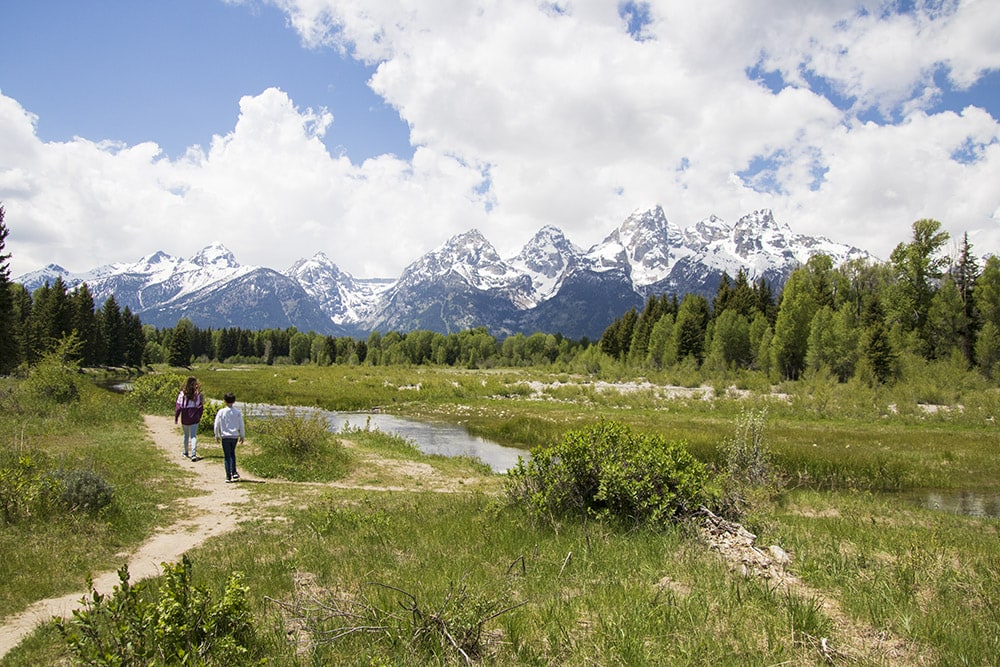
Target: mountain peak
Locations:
point(215, 255)
point(644, 243)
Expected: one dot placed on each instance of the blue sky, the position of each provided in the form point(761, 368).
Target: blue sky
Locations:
point(173, 72)
point(374, 130)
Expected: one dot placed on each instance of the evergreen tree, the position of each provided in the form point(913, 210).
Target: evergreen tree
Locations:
point(965, 273)
point(764, 300)
point(639, 345)
point(134, 338)
point(723, 295)
point(877, 348)
point(179, 353)
point(112, 332)
point(743, 299)
point(691, 327)
point(10, 355)
point(625, 331)
point(21, 305)
point(84, 323)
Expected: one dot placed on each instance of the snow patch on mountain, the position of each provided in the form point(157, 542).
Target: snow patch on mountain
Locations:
point(340, 295)
point(546, 259)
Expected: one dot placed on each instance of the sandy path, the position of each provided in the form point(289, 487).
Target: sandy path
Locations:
point(214, 513)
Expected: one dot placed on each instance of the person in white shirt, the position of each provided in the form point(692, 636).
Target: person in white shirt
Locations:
point(229, 428)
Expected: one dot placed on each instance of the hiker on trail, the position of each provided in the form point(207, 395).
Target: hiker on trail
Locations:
point(190, 404)
point(229, 428)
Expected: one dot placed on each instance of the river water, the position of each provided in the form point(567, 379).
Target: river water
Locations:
point(969, 503)
point(428, 437)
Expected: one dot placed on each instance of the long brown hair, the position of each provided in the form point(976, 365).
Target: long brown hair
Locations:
point(191, 387)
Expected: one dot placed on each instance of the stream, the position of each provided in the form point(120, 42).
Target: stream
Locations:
point(969, 503)
point(428, 437)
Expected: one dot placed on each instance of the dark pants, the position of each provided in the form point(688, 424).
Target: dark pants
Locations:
point(229, 454)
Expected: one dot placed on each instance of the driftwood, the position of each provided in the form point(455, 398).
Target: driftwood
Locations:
point(737, 546)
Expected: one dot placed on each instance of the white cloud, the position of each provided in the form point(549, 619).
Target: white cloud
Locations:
point(268, 190)
point(571, 121)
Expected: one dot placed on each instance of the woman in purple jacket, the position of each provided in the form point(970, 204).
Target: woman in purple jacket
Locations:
point(190, 405)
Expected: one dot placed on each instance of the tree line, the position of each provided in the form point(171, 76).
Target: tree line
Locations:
point(473, 348)
point(855, 320)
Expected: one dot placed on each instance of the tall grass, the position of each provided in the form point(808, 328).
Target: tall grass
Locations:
point(100, 434)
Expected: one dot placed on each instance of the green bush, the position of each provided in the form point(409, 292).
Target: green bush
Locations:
point(179, 625)
point(296, 446)
point(26, 490)
point(299, 433)
point(55, 376)
point(156, 392)
point(207, 423)
point(84, 490)
point(609, 471)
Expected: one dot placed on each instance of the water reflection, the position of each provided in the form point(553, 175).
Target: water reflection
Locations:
point(429, 438)
point(969, 503)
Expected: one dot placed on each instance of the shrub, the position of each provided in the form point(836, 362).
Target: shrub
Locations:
point(748, 458)
point(54, 377)
point(299, 433)
point(207, 423)
point(180, 625)
point(26, 491)
point(84, 490)
point(609, 471)
point(156, 391)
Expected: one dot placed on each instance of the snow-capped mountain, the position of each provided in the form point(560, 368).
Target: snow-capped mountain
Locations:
point(546, 259)
point(550, 285)
point(340, 295)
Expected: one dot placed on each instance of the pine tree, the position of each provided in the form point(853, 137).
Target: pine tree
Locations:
point(691, 327)
point(134, 342)
point(10, 355)
point(84, 323)
point(112, 332)
point(179, 353)
point(877, 348)
point(723, 295)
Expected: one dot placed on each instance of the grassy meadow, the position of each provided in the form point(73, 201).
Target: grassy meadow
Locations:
point(437, 571)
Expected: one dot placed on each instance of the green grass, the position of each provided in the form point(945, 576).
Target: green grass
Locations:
point(577, 593)
point(47, 558)
point(928, 575)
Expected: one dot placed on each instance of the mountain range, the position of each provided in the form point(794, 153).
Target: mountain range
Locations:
point(551, 285)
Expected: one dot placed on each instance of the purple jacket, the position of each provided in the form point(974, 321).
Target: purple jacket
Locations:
point(189, 411)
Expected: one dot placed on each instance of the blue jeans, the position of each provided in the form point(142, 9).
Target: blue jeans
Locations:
point(190, 435)
point(229, 456)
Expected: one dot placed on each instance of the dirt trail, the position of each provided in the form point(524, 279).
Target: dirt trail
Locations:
point(213, 513)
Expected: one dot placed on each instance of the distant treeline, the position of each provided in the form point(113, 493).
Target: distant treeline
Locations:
point(855, 320)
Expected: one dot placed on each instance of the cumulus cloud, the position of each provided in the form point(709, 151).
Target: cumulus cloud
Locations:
point(527, 113)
